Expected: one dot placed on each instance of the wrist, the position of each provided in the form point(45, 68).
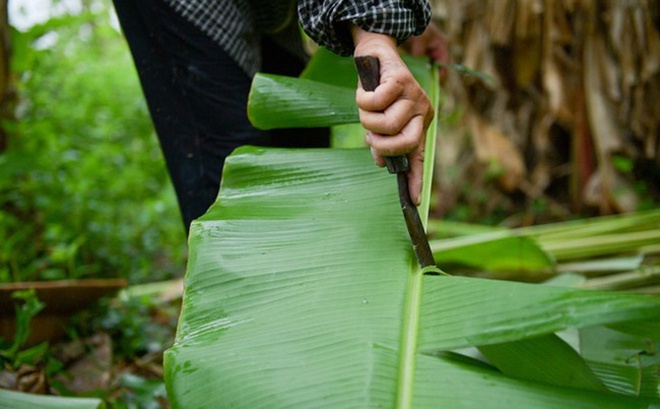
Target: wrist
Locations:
point(363, 39)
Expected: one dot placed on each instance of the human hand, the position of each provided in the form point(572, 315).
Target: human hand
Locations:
point(398, 113)
point(431, 43)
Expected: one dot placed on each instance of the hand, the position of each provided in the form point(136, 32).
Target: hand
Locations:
point(398, 113)
point(431, 43)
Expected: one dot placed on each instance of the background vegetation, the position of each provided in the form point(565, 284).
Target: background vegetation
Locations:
point(83, 188)
point(567, 126)
point(84, 194)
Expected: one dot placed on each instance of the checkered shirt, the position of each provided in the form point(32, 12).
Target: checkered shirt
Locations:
point(237, 25)
point(326, 21)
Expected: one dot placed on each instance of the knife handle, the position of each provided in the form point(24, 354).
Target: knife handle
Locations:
point(368, 69)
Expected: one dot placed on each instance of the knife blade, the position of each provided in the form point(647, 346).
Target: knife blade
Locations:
point(368, 68)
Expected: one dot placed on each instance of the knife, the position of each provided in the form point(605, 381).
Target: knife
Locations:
point(368, 69)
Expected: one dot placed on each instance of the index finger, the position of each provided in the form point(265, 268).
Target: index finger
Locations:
point(378, 100)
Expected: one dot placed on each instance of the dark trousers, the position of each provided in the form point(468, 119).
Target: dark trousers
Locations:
point(197, 98)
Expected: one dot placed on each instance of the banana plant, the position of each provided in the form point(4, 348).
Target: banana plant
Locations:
point(302, 291)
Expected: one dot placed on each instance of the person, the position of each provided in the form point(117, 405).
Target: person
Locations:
point(196, 59)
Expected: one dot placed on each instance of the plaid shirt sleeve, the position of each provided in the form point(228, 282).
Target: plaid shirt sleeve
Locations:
point(326, 21)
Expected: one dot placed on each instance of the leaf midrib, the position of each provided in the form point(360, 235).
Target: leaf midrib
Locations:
point(413, 298)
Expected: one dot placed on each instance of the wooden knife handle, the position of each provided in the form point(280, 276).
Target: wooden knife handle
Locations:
point(368, 69)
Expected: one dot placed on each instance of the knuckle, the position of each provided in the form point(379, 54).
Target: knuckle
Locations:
point(391, 126)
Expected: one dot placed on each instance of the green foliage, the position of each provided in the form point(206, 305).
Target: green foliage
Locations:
point(627, 363)
point(144, 393)
point(14, 355)
point(319, 99)
point(497, 251)
point(27, 305)
point(19, 400)
point(83, 187)
point(132, 325)
point(595, 244)
point(302, 292)
point(141, 327)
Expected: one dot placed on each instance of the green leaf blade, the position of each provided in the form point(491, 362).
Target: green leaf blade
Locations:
point(284, 102)
point(546, 359)
point(296, 289)
point(329, 68)
point(499, 251)
point(458, 312)
point(280, 328)
point(446, 383)
point(324, 95)
point(302, 291)
point(20, 400)
point(627, 363)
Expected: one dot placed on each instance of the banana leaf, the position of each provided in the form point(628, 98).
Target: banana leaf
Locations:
point(496, 251)
point(20, 400)
point(627, 363)
point(568, 241)
point(278, 101)
point(558, 365)
point(326, 67)
point(302, 291)
point(324, 95)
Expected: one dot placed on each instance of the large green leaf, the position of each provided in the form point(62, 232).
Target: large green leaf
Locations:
point(493, 251)
point(326, 67)
point(289, 287)
point(577, 239)
point(443, 383)
point(277, 101)
point(323, 96)
point(626, 363)
point(480, 312)
point(20, 400)
point(302, 291)
point(547, 359)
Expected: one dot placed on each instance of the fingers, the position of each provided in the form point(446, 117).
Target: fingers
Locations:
point(398, 112)
point(432, 43)
point(402, 143)
point(415, 175)
point(437, 50)
point(397, 120)
point(395, 83)
point(395, 102)
point(380, 160)
point(392, 120)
